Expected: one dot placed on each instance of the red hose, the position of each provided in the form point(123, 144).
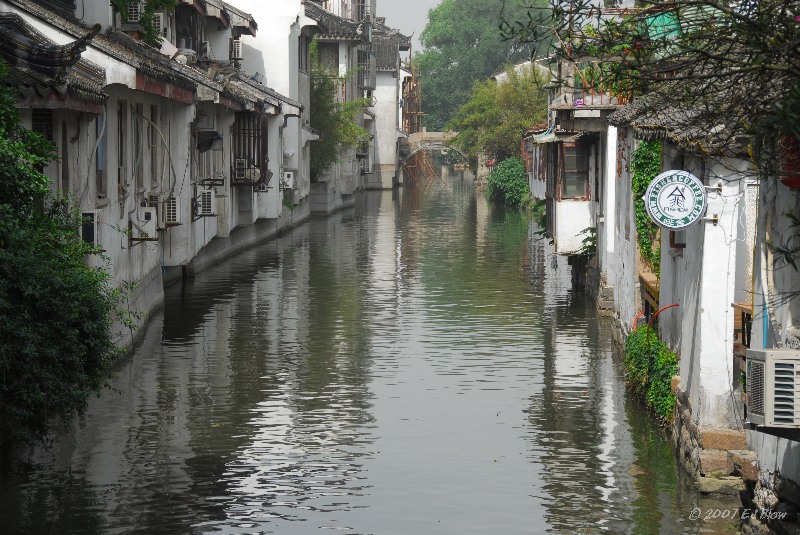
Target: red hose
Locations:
point(633, 327)
point(653, 317)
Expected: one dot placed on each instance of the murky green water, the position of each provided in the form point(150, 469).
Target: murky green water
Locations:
point(418, 365)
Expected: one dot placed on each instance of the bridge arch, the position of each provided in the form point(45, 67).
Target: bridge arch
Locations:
point(431, 141)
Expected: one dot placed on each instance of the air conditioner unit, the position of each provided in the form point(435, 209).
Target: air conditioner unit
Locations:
point(206, 203)
point(773, 387)
point(172, 211)
point(153, 202)
point(236, 49)
point(89, 227)
point(240, 169)
point(135, 10)
point(144, 225)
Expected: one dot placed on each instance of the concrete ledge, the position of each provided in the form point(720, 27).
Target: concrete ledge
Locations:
point(240, 239)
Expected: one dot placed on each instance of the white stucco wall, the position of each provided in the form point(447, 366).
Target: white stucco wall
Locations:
point(621, 267)
point(606, 222)
point(92, 12)
point(572, 217)
point(702, 283)
point(274, 53)
point(776, 321)
point(387, 111)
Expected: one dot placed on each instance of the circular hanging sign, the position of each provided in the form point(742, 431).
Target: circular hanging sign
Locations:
point(675, 199)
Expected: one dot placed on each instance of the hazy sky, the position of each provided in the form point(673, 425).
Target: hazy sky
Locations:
point(408, 16)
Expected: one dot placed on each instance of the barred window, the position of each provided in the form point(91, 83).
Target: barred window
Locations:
point(249, 147)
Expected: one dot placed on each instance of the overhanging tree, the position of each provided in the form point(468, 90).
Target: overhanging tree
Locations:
point(56, 313)
point(734, 63)
point(333, 119)
point(499, 113)
point(463, 44)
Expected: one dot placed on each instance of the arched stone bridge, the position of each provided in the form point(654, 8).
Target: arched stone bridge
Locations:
point(430, 141)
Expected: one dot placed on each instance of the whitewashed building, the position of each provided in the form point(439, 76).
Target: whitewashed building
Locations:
point(384, 157)
point(171, 152)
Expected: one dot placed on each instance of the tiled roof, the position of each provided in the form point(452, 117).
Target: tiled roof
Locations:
point(386, 44)
point(334, 27)
point(382, 29)
point(697, 125)
point(150, 62)
point(243, 89)
point(37, 63)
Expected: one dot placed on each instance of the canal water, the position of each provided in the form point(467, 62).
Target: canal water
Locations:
point(416, 365)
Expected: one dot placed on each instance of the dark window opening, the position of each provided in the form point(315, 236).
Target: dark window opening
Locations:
point(575, 169)
point(304, 53)
point(102, 190)
point(249, 148)
point(677, 239)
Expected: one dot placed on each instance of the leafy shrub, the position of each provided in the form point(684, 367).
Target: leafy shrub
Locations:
point(589, 242)
point(649, 367)
point(56, 312)
point(646, 165)
point(334, 120)
point(508, 182)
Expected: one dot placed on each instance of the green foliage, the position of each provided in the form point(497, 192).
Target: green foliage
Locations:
point(646, 165)
point(498, 114)
point(149, 33)
point(589, 242)
point(55, 311)
point(649, 368)
point(463, 44)
point(508, 183)
point(333, 119)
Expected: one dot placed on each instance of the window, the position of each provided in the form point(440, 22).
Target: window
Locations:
point(575, 178)
point(359, 9)
point(100, 129)
point(328, 56)
point(138, 150)
point(42, 122)
point(122, 142)
point(304, 53)
point(249, 148)
point(154, 142)
point(677, 239)
point(64, 158)
point(364, 76)
point(187, 28)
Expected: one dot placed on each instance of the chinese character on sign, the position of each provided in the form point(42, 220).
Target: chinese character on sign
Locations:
point(677, 198)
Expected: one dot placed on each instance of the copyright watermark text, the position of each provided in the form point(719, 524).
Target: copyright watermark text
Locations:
point(735, 514)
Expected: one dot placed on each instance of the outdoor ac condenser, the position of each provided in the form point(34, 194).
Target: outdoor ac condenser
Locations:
point(773, 387)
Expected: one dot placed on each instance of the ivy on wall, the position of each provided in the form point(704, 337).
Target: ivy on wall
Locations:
point(149, 33)
point(649, 367)
point(646, 165)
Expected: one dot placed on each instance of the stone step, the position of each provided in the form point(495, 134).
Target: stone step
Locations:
point(722, 439)
point(714, 463)
point(743, 463)
point(728, 485)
